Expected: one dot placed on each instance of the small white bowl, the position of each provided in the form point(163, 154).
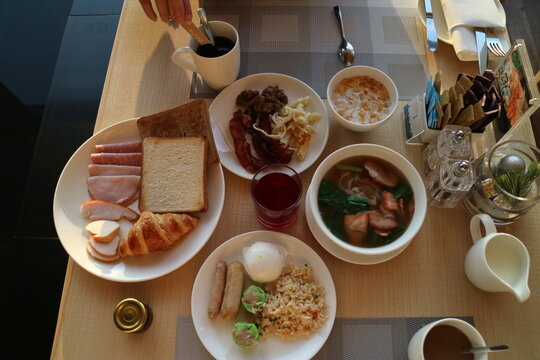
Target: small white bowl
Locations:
point(364, 255)
point(362, 71)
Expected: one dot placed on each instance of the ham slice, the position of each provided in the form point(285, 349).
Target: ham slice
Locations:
point(108, 249)
point(122, 189)
point(98, 256)
point(134, 159)
point(124, 147)
point(380, 174)
point(103, 231)
point(104, 170)
point(101, 210)
point(381, 222)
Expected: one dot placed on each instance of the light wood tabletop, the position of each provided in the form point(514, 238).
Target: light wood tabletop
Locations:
point(427, 279)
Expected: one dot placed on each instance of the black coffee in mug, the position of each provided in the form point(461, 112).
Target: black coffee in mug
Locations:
point(221, 47)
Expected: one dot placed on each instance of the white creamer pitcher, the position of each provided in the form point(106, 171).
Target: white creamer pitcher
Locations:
point(497, 262)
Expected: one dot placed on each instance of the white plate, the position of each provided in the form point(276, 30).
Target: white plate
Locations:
point(326, 243)
point(223, 107)
point(71, 192)
point(440, 21)
point(216, 334)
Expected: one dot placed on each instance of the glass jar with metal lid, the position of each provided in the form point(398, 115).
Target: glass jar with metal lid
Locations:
point(132, 316)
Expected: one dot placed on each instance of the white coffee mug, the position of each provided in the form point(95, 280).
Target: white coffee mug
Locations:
point(416, 345)
point(497, 262)
point(217, 72)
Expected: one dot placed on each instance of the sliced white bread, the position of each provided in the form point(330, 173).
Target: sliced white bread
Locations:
point(103, 231)
point(99, 257)
point(174, 175)
point(108, 249)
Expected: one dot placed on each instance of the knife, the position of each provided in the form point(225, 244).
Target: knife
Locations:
point(430, 27)
point(481, 49)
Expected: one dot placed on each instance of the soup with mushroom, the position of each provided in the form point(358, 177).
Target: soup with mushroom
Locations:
point(366, 201)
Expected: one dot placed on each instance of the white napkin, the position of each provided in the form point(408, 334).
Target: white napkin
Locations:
point(462, 16)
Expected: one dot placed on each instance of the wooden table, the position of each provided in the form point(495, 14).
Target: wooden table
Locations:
point(426, 280)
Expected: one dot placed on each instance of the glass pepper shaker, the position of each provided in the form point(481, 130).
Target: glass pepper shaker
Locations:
point(449, 183)
point(454, 142)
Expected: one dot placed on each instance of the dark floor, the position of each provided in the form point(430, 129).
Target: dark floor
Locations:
point(53, 61)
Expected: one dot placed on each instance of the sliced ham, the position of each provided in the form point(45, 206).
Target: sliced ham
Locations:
point(356, 227)
point(124, 147)
point(108, 249)
point(122, 189)
point(101, 210)
point(103, 231)
point(98, 256)
point(381, 174)
point(380, 221)
point(104, 170)
point(134, 159)
point(389, 201)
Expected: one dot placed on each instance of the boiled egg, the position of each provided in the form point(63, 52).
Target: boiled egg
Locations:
point(264, 261)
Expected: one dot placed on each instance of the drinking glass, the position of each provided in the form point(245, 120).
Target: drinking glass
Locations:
point(276, 190)
point(488, 194)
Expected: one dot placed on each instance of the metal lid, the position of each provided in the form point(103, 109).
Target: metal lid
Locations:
point(130, 315)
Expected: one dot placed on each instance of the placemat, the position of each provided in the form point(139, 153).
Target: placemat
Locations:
point(300, 38)
point(359, 339)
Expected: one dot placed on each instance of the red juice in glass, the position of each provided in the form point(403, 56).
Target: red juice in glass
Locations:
point(276, 191)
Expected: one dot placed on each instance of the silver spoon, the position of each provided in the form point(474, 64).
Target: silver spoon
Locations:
point(485, 349)
point(205, 25)
point(346, 50)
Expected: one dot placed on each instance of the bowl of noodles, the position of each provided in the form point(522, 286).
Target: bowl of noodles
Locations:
point(367, 200)
point(361, 98)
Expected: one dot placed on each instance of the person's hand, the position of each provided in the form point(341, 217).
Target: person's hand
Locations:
point(177, 10)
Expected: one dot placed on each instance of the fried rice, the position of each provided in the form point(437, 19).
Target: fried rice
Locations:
point(295, 305)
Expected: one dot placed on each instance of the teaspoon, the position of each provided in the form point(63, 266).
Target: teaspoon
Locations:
point(485, 349)
point(205, 25)
point(346, 50)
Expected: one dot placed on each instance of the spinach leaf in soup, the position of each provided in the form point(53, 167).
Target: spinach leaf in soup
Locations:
point(402, 191)
point(355, 205)
point(330, 195)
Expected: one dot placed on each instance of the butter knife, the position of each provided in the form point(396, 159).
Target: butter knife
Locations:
point(481, 49)
point(430, 27)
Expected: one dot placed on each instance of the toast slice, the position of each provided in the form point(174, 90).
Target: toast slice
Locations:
point(174, 174)
point(188, 120)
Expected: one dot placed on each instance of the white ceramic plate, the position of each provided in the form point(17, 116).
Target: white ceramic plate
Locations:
point(216, 334)
point(440, 21)
point(71, 192)
point(224, 106)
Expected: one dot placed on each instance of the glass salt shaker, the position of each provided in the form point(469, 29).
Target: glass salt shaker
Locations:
point(454, 142)
point(449, 183)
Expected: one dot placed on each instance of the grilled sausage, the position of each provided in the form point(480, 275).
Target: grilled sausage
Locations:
point(217, 290)
point(233, 290)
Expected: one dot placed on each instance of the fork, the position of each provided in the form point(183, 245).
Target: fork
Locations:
point(493, 43)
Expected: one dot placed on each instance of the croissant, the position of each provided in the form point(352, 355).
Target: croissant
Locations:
point(155, 232)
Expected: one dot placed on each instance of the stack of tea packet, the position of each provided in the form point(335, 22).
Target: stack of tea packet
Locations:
point(472, 102)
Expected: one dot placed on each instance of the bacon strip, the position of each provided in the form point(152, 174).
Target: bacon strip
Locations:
point(124, 147)
point(241, 146)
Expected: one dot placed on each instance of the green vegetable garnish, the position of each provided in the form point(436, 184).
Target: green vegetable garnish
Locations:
point(402, 191)
point(245, 335)
point(349, 168)
point(253, 299)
